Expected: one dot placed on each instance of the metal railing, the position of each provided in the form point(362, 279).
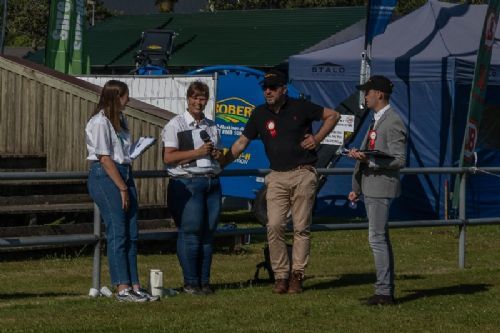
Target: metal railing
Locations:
point(97, 237)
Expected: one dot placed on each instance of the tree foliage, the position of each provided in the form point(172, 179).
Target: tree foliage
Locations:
point(165, 6)
point(100, 12)
point(27, 21)
point(403, 6)
point(407, 6)
point(276, 4)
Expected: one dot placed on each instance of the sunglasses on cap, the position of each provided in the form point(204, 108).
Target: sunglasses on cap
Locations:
point(270, 87)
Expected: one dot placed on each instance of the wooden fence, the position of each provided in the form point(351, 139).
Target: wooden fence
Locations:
point(44, 112)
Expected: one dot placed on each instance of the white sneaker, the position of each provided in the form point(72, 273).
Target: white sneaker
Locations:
point(147, 295)
point(129, 295)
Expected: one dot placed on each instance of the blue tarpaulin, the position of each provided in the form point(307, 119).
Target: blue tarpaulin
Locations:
point(429, 55)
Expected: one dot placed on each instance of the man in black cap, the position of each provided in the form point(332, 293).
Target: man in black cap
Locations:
point(285, 127)
point(376, 175)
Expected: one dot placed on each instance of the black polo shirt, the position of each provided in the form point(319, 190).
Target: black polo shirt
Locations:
point(282, 133)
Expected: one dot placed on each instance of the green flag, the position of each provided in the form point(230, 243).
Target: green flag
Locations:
point(65, 50)
point(478, 90)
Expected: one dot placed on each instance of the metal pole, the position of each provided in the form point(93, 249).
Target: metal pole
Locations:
point(93, 13)
point(96, 268)
point(4, 24)
point(462, 217)
point(92, 18)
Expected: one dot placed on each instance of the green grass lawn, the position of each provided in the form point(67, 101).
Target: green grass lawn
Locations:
point(434, 295)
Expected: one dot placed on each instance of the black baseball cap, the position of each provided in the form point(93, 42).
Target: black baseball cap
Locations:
point(377, 82)
point(274, 78)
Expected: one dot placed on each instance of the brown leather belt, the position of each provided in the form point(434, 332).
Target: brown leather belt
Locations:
point(194, 175)
point(303, 166)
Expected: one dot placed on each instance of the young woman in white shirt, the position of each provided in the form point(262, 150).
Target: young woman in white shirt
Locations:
point(112, 187)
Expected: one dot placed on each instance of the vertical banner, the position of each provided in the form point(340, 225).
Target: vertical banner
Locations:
point(478, 90)
point(79, 62)
point(377, 18)
point(65, 48)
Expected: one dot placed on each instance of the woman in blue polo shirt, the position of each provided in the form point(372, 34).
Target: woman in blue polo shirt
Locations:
point(194, 192)
point(112, 187)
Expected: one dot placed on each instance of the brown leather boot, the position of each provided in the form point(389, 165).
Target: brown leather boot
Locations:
point(295, 286)
point(280, 286)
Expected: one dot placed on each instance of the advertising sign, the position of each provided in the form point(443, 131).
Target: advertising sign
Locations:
point(478, 90)
point(65, 49)
point(237, 97)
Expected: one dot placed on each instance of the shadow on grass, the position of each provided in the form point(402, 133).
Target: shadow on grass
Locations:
point(21, 295)
point(344, 280)
point(461, 289)
point(242, 284)
point(355, 279)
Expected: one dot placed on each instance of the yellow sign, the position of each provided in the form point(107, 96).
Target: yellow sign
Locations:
point(234, 110)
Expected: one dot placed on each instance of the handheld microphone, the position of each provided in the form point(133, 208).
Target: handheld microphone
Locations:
point(205, 137)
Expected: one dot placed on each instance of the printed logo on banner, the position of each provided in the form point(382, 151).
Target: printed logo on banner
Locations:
point(491, 28)
point(471, 140)
point(232, 114)
point(328, 68)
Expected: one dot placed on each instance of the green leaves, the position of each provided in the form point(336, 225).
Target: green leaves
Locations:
point(27, 21)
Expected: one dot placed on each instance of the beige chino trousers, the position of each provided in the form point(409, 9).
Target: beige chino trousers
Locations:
point(293, 190)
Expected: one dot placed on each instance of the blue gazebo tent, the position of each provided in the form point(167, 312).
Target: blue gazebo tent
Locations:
point(429, 55)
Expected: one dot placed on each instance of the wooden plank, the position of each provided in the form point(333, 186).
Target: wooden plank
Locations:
point(57, 208)
point(55, 101)
point(81, 148)
point(64, 131)
point(39, 100)
point(79, 228)
point(37, 107)
point(11, 120)
point(26, 115)
point(47, 94)
point(30, 104)
point(76, 136)
point(17, 114)
point(88, 109)
point(3, 110)
point(40, 199)
point(23, 209)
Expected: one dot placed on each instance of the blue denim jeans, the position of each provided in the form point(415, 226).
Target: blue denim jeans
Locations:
point(121, 226)
point(195, 205)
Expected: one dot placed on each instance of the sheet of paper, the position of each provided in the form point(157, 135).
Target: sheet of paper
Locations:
point(141, 145)
point(336, 136)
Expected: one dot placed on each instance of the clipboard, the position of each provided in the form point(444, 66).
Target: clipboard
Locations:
point(376, 153)
point(140, 146)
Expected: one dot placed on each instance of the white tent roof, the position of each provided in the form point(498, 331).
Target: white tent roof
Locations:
point(423, 38)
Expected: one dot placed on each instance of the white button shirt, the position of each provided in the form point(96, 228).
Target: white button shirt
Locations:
point(186, 122)
point(102, 139)
point(380, 113)
point(376, 116)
